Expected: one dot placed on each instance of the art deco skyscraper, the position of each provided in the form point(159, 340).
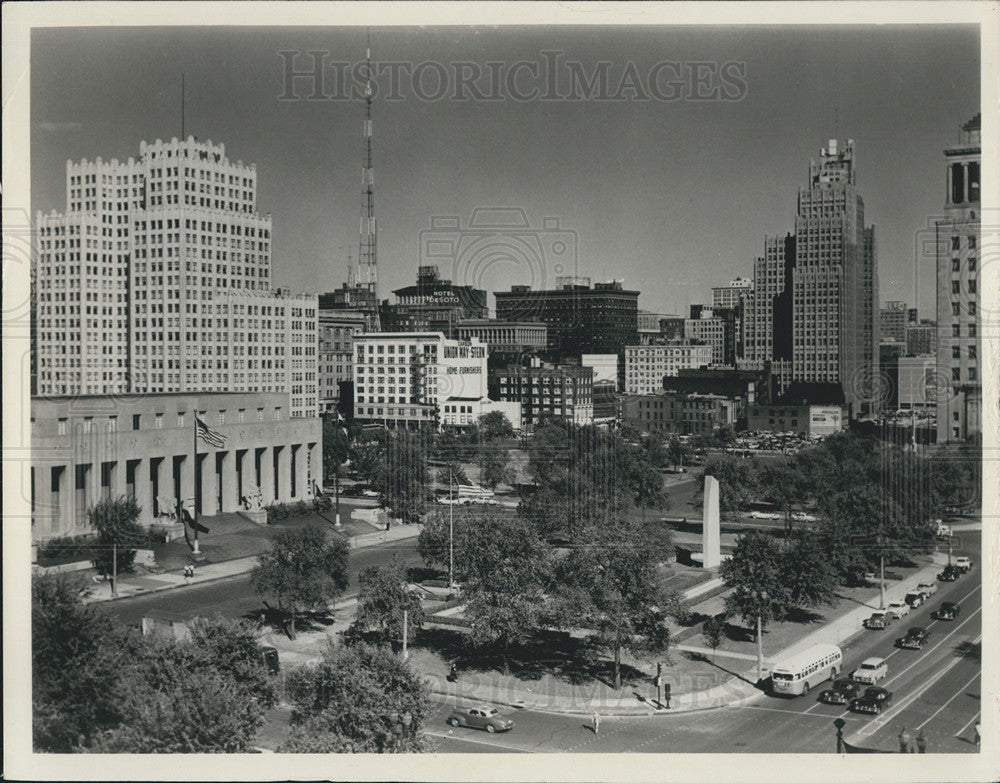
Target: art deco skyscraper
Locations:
point(959, 386)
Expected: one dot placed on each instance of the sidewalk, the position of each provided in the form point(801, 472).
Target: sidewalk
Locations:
point(737, 691)
point(131, 586)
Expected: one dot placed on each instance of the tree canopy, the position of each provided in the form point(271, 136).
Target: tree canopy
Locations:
point(119, 534)
point(302, 569)
point(382, 598)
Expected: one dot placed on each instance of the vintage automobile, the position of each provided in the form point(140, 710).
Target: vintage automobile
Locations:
point(928, 588)
point(871, 671)
point(480, 717)
point(898, 609)
point(872, 701)
point(840, 692)
point(915, 598)
point(963, 563)
point(878, 621)
point(915, 639)
point(950, 574)
point(948, 611)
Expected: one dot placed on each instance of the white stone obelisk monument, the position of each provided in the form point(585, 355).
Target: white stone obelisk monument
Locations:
point(710, 536)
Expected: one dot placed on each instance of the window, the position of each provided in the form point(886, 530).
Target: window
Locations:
point(972, 330)
point(277, 412)
point(955, 243)
point(972, 308)
point(956, 330)
point(972, 263)
point(973, 376)
point(88, 422)
point(956, 287)
point(180, 419)
point(956, 308)
point(62, 426)
point(260, 414)
point(956, 352)
point(956, 374)
point(972, 286)
point(972, 241)
point(136, 419)
point(956, 265)
point(159, 421)
point(112, 424)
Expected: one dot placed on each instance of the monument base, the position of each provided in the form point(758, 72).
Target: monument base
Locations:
point(197, 556)
point(167, 531)
point(257, 517)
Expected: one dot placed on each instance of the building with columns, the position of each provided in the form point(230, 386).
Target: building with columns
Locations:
point(959, 387)
point(88, 447)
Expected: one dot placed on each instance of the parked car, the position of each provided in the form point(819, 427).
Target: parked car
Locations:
point(927, 587)
point(840, 692)
point(943, 530)
point(915, 598)
point(873, 701)
point(964, 563)
point(950, 574)
point(898, 609)
point(871, 671)
point(915, 638)
point(948, 611)
point(481, 717)
point(878, 621)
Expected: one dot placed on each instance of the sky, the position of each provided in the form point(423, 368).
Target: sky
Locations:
point(671, 188)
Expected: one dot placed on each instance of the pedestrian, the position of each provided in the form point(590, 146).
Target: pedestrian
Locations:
point(597, 723)
point(453, 674)
point(977, 735)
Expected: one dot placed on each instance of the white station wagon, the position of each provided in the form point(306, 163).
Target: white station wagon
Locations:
point(871, 671)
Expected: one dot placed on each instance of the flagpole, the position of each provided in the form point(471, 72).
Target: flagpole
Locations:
point(194, 474)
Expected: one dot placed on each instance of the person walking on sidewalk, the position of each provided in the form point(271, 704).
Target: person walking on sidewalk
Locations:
point(597, 723)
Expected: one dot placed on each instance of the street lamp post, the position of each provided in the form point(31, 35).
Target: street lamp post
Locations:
point(451, 530)
point(840, 723)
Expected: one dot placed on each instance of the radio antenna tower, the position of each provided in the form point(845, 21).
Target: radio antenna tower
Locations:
point(368, 251)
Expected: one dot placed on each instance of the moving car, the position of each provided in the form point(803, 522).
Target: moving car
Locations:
point(914, 639)
point(950, 574)
point(480, 717)
point(871, 671)
point(898, 609)
point(963, 563)
point(878, 621)
point(928, 588)
point(840, 692)
point(873, 701)
point(948, 611)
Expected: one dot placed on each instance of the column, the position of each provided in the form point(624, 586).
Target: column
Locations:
point(267, 476)
point(302, 489)
point(209, 487)
point(164, 477)
point(42, 500)
point(230, 492)
point(118, 478)
point(284, 473)
point(93, 484)
point(187, 482)
point(966, 190)
point(144, 491)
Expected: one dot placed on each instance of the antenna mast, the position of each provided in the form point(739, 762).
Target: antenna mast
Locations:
point(368, 251)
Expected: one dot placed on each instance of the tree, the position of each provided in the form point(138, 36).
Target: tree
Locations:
point(737, 482)
point(781, 483)
point(119, 534)
point(233, 648)
point(382, 599)
point(358, 699)
point(403, 482)
point(614, 586)
point(302, 570)
point(368, 458)
point(809, 577)
point(173, 699)
point(714, 630)
point(507, 566)
point(433, 544)
point(494, 466)
point(336, 445)
point(72, 665)
point(725, 435)
point(678, 452)
point(754, 575)
point(494, 425)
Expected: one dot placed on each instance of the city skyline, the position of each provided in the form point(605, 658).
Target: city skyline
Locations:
point(639, 185)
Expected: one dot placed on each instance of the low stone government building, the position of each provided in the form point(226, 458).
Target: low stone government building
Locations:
point(88, 447)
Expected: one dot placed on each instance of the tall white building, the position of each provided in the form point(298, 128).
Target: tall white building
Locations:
point(136, 283)
point(405, 378)
point(646, 365)
point(732, 295)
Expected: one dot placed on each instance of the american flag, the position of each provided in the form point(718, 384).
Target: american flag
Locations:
point(211, 437)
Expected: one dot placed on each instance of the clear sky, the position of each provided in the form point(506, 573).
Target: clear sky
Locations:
point(671, 194)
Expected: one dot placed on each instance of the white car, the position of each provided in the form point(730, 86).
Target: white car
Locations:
point(927, 587)
point(871, 671)
point(898, 609)
point(965, 563)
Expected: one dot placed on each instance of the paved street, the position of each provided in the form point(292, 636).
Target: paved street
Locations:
point(936, 690)
point(236, 598)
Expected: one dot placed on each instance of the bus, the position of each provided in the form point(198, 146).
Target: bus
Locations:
point(798, 673)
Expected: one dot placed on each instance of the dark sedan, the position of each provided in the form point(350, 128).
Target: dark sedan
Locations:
point(872, 701)
point(915, 639)
point(950, 574)
point(948, 611)
point(840, 692)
